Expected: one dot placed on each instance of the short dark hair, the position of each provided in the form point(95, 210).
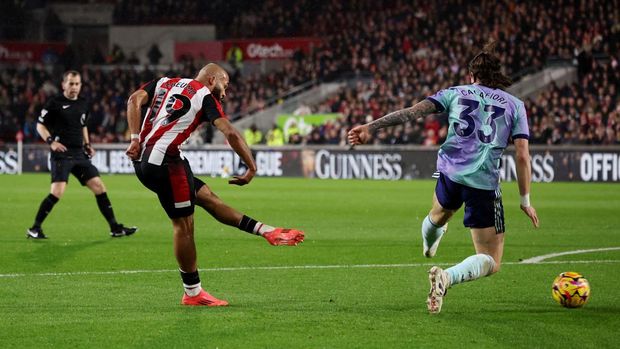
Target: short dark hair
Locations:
point(70, 72)
point(487, 68)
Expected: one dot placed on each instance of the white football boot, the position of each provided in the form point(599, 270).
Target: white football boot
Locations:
point(429, 252)
point(440, 282)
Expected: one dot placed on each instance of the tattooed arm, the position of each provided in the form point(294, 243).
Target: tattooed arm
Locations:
point(362, 134)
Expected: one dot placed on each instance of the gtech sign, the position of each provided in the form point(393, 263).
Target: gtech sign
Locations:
point(271, 48)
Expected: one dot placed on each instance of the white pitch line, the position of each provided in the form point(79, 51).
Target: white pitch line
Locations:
point(291, 267)
point(539, 259)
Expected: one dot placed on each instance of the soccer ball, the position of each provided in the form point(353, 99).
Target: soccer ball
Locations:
point(570, 289)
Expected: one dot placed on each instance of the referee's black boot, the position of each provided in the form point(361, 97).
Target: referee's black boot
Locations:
point(35, 233)
point(121, 230)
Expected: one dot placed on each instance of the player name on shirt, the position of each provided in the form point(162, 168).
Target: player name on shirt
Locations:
point(181, 84)
point(483, 94)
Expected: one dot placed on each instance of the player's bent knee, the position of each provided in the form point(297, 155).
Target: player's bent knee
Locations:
point(57, 193)
point(96, 185)
point(58, 190)
point(207, 199)
point(440, 216)
point(206, 202)
point(99, 189)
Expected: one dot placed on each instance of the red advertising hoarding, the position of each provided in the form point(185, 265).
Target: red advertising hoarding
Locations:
point(253, 49)
point(45, 52)
point(209, 50)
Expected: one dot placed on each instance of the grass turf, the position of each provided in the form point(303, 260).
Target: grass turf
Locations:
point(361, 280)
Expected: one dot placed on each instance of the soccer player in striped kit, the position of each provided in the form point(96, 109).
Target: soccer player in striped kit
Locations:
point(175, 108)
point(482, 118)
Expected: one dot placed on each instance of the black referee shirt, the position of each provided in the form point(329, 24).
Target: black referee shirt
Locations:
point(65, 118)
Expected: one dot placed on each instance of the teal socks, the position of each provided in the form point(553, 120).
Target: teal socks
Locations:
point(430, 232)
point(472, 268)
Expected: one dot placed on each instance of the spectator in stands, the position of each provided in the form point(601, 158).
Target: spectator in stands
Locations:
point(302, 109)
point(292, 133)
point(399, 62)
point(295, 138)
point(30, 129)
point(275, 137)
point(117, 56)
point(253, 135)
point(154, 54)
point(234, 57)
point(585, 60)
point(315, 137)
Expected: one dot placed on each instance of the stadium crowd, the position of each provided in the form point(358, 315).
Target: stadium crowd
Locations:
point(585, 112)
point(409, 49)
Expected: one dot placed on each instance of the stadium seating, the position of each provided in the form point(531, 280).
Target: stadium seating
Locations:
point(410, 49)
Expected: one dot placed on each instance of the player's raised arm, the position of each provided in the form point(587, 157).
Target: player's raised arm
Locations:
point(362, 134)
point(524, 177)
point(240, 147)
point(134, 105)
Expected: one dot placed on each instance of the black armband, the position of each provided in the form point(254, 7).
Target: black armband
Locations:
point(49, 140)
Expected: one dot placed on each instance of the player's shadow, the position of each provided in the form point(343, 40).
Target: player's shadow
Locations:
point(546, 309)
point(607, 309)
point(49, 253)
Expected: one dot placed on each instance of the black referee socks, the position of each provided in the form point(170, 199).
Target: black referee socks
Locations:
point(106, 209)
point(46, 207)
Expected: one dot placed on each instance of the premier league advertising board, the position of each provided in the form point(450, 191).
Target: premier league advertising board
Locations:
point(559, 164)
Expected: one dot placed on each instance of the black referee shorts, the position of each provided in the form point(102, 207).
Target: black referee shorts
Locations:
point(173, 182)
point(74, 162)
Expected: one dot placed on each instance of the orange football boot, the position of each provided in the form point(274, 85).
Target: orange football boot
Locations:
point(284, 237)
point(203, 298)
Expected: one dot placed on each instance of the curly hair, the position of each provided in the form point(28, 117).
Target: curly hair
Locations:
point(487, 68)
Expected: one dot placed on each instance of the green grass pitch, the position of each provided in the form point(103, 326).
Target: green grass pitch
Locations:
point(358, 281)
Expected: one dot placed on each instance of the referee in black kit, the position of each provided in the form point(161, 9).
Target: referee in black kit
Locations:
point(62, 125)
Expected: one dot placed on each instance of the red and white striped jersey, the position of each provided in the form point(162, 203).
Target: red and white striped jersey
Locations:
point(176, 107)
